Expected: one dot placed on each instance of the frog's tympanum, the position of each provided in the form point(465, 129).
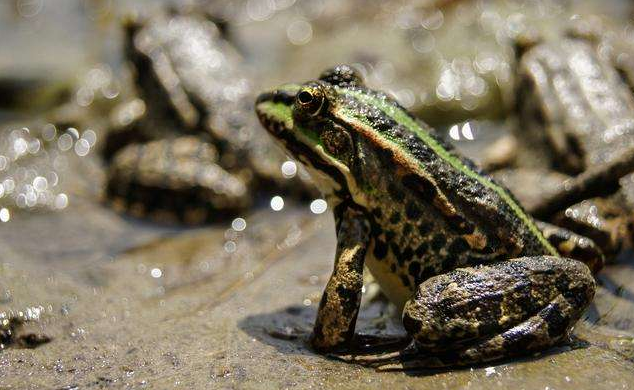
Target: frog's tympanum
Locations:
point(476, 278)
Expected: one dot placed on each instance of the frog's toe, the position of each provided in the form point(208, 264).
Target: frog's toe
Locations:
point(489, 312)
point(378, 359)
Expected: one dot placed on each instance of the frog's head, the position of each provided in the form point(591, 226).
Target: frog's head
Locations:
point(306, 119)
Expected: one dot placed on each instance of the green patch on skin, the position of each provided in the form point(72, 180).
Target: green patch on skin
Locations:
point(401, 117)
point(279, 112)
point(283, 113)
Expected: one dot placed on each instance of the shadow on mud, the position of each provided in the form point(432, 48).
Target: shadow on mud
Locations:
point(288, 330)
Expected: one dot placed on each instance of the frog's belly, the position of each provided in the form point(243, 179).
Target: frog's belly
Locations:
point(389, 281)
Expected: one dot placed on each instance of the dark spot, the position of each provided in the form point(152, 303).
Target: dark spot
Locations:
point(557, 322)
point(458, 246)
point(407, 229)
point(412, 211)
point(377, 212)
point(407, 254)
point(424, 229)
point(389, 235)
point(414, 269)
point(395, 192)
point(518, 338)
point(397, 253)
point(423, 187)
point(395, 218)
point(380, 249)
point(349, 299)
point(422, 249)
point(428, 272)
point(393, 267)
point(405, 280)
point(438, 242)
point(450, 262)
point(460, 225)
point(411, 325)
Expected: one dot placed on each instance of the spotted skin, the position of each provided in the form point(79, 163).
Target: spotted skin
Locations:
point(424, 220)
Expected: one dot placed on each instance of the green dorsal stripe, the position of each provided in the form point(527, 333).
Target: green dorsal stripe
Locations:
point(401, 117)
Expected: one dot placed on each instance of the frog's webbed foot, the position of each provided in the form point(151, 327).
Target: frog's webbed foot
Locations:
point(409, 358)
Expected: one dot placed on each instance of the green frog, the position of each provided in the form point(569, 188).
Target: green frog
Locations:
point(476, 278)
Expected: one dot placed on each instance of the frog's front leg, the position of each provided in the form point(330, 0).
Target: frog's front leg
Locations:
point(340, 301)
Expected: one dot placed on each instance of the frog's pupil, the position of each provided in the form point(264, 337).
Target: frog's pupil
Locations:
point(305, 97)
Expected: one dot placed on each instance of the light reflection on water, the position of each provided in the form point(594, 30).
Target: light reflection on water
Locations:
point(34, 163)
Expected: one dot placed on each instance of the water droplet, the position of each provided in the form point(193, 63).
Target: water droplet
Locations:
point(423, 42)
point(65, 142)
point(230, 246)
point(9, 185)
point(260, 10)
point(467, 132)
point(289, 169)
point(73, 132)
point(19, 146)
point(90, 136)
point(29, 8)
point(277, 203)
point(299, 32)
point(5, 215)
point(40, 183)
point(156, 273)
point(433, 20)
point(61, 201)
point(49, 131)
point(20, 201)
point(82, 147)
point(454, 132)
point(318, 206)
point(33, 146)
point(238, 224)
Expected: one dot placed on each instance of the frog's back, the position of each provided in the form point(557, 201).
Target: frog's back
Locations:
point(435, 210)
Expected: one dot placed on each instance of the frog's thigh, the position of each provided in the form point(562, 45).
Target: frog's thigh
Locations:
point(512, 307)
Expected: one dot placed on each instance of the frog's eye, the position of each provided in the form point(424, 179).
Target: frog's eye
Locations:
point(310, 100)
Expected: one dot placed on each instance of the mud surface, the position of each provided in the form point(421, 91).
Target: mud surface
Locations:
point(131, 305)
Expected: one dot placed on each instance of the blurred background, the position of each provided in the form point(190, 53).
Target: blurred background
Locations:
point(152, 233)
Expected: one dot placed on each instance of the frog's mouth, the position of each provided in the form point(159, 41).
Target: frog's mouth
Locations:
point(275, 111)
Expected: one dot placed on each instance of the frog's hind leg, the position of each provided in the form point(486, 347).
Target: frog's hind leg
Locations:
point(542, 331)
point(476, 315)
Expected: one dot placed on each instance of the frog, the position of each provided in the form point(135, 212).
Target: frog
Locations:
point(575, 109)
point(475, 277)
point(190, 121)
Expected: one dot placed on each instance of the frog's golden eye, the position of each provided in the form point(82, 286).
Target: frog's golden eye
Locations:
point(310, 100)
